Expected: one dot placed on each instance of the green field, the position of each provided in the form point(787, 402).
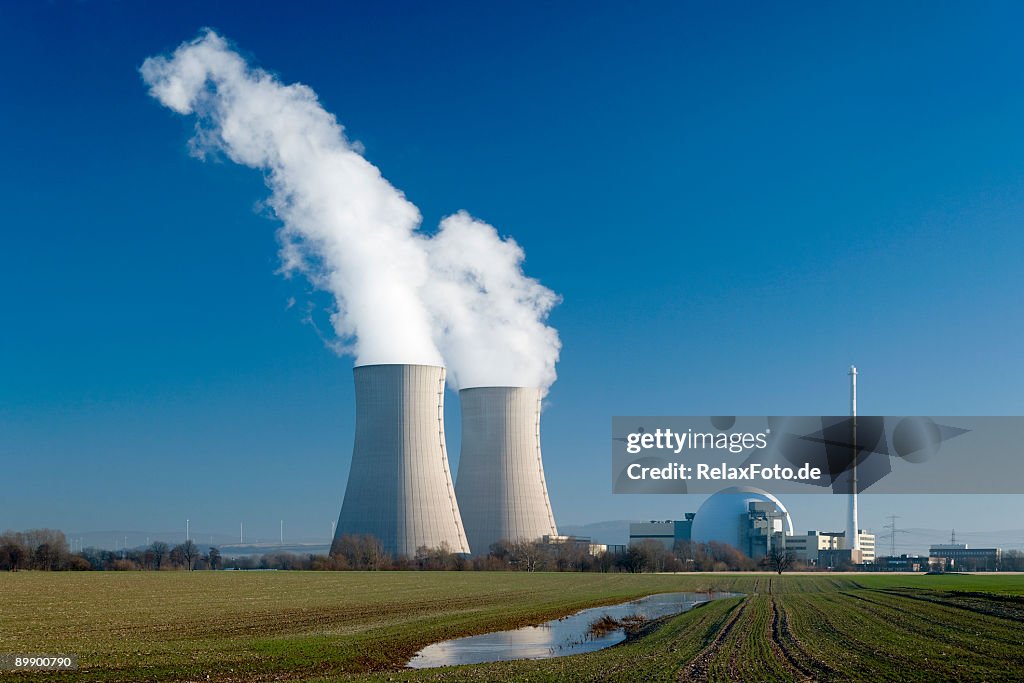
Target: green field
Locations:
point(241, 626)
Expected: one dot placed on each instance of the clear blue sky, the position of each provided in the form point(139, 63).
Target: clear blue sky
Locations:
point(735, 203)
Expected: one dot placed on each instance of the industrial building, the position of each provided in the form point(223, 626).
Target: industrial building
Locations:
point(805, 547)
point(399, 486)
point(829, 548)
point(584, 543)
point(809, 548)
point(867, 546)
point(500, 485)
point(959, 557)
point(755, 522)
point(668, 533)
point(751, 520)
point(905, 563)
point(747, 518)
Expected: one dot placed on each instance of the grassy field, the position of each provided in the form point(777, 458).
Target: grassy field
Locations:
point(241, 626)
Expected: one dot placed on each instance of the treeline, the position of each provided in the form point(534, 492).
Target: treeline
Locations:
point(48, 550)
point(43, 549)
point(366, 553)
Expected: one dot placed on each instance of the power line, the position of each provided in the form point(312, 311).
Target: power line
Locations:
point(891, 526)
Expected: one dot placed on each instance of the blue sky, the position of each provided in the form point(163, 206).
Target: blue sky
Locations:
point(734, 202)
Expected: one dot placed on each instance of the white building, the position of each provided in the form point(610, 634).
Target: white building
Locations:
point(807, 547)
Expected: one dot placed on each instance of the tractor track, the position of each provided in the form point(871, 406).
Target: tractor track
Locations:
point(786, 644)
point(699, 668)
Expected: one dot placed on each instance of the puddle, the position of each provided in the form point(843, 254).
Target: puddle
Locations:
point(559, 637)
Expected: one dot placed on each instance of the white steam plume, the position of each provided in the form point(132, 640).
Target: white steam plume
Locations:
point(345, 226)
point(492, 316)
point(401, 296)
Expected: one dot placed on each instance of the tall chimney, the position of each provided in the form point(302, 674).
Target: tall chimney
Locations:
point(852, 526)
point(501, 486)
point(399, 486)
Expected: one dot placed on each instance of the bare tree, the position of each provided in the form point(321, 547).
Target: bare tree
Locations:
point(46, 557)
point(1013, 561)
point(189, 553)
point(634, 560)
point(360, 552)
point(780, 559)
point(12, 555)
point(570, 556)
point(528, 555)
point(373, 553)
point(214, 558)
point(45, 549)
point(440, 558)
point(159, 550)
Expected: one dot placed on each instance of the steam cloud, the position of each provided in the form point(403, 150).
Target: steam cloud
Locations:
point(458, 298)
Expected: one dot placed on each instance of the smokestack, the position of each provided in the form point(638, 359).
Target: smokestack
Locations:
point(500, 486)
point(399, 486)
point(852, 526)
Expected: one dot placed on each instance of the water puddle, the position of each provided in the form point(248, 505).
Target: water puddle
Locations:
point(569, 635)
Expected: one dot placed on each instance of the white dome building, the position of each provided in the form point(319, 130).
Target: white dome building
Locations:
point(745, 517)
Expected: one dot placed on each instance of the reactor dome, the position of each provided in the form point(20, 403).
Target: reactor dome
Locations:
point(724, 517)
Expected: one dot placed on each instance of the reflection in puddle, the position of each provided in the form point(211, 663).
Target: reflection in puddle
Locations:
point(559, 637)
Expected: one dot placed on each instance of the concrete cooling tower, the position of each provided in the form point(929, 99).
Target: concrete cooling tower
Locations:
point(399, 486)
point(501, 486)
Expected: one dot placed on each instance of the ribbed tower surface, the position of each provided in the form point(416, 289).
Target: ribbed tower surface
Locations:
point(500, 486)
point(400, 486)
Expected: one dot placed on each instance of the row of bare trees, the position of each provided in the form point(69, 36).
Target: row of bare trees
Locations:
point(41, 549)
point(157, 556)
point(47, 550)
point(653, 556)
point(367, 553)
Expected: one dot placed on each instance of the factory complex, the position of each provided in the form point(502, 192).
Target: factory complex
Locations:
point(401, 490)
point(757, 524)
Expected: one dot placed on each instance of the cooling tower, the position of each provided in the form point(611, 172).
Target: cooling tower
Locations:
point(501, 486)
point(399, 486)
